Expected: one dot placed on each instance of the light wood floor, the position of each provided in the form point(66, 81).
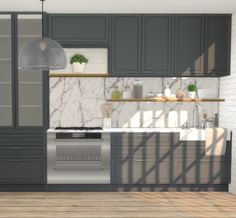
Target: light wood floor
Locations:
point(117, 204)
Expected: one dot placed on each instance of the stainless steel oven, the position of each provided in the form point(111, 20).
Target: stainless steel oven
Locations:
point(78, 158)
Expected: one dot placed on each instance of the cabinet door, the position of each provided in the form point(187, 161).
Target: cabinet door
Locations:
point(139, 171)
point(126, 45)
point(79, 28)
point(6, 114)
point(30, 82)
point(218, 41)
point(22, 171)
point(156, 45)
point(189, 48)
point(202, 171)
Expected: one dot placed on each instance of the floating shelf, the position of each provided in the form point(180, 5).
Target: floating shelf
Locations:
point(169, 100)
point(78, 75)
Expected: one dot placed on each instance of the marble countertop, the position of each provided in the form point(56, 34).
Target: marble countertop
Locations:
point(110, 130)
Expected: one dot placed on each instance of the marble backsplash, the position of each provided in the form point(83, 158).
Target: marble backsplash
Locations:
point(77, 102)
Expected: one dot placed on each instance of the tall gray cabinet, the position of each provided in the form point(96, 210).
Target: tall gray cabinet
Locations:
point(23, 95)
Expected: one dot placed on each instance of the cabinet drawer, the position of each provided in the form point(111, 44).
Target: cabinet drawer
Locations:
point(15, 171)
point(190, 149)
point(142, 139)
point(147, 152)
point(79, 28)
point(197, 149)
point(21, 151)
point(138, 171)
point(22, 139)
point(192, 171)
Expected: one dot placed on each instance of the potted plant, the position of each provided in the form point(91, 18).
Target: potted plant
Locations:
point(192, 90)
point(78, 62)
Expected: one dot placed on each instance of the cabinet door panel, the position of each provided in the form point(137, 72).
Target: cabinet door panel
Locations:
point(218, 36)
point(189, 52)
point(126, 44)
point(30, 85)
point(194, 171)
point(138, 171)
point(156, 33)
point(79, 28)
point(17, 171)
point(6, 117)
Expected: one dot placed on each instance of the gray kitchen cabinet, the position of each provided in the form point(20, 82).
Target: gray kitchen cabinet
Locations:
point(157, 45)
point(6, 71)
point(142, 158)
point(217, 43)
point(192, 166)
point(126, 45)
point(79, 28)
point(160, 158)
point(139, 171)
point(22, 171)
point(189, 45)
point(23, 97)
point(23, 94)
point(30, 82)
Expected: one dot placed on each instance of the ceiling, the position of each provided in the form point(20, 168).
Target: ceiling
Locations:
point(122, 6)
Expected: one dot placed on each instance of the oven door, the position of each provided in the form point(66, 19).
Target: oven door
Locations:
point(78, 154)
point(78, 161)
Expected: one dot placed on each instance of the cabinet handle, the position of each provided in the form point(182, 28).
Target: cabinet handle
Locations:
point(15, 160)
point(15, 135)
point(140, 160)
point(16, 148)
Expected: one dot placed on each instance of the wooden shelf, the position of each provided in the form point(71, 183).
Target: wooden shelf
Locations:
point(162, 99)
point(78, 75)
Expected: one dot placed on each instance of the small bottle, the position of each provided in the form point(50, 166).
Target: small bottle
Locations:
point(167, 91)
point(115, 93)
point(138, 89)
point(216, 120)
point(127, 92)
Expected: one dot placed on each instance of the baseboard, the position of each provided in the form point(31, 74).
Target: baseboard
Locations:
point(113, 188)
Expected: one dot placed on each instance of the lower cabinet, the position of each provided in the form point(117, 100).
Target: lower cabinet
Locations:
point(192, 166)
point(22, 158)
point(160, 158)
point(134, 171)
point(142, 158)
point(202, 171)
point(22, 171)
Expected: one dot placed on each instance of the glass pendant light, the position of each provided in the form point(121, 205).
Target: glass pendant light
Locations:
point(42, 53)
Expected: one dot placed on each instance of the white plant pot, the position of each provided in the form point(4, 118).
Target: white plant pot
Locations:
point(78, 68)
point(191, 95)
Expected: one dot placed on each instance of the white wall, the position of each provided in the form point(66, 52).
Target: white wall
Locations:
point(228, 109)
point(122, 6)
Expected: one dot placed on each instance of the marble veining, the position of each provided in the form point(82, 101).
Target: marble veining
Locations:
point(77, 102)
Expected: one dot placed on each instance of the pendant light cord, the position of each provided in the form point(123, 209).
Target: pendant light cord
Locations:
point(42, 17)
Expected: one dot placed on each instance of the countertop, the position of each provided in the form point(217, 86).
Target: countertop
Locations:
point(189, 134)
point(110, 130)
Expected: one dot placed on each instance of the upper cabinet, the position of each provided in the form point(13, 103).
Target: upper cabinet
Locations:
point(194, 45)
point(22, 92)
point(156, 45)
point(126, 45)
point(79, 29)
point(6, 109)
point(218, 41)
point(189, 48)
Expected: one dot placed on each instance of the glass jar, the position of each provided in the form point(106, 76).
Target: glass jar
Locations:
point(138, 89)
point(115, 93)
point(127, 92)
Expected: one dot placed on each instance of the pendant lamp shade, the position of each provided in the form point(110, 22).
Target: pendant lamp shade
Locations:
point(42, 54)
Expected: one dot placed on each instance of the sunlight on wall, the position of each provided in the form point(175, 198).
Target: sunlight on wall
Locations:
point(211, 53)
